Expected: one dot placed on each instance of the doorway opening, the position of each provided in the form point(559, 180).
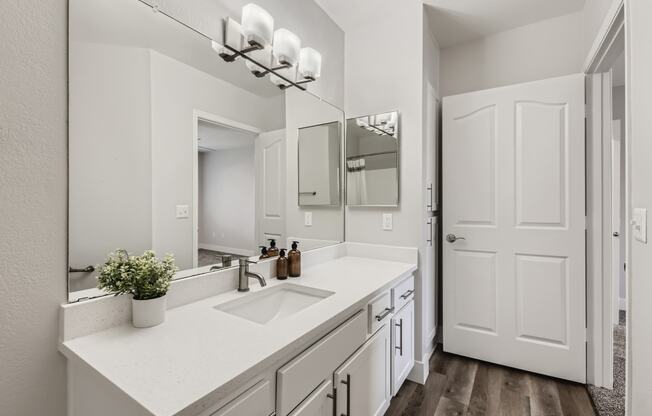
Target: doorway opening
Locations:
point(224, 215)
point(609, 398)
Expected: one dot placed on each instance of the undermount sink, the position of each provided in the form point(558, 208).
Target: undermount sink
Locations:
point(275, 303)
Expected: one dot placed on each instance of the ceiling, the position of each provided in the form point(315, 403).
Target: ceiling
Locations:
point(458, 21)
point(214, 137)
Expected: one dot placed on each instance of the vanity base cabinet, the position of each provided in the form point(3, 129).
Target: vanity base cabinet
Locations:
point(363, 381)
point(257, 400)
point(402, 349)
point(319, 403)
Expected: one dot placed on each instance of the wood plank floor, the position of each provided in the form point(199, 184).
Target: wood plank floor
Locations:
point(460, 386)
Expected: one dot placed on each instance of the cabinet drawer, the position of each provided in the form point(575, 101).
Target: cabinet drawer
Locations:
point(380, 311)
point(298, 378)
point(402, 293)
point(258, 400)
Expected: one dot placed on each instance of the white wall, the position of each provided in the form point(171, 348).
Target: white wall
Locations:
point(375, 84)
point(226, 199)
point(177, 90)
point(33, 182)
point(545, 49)
point(327, 222)
point(110, 155)
point(639, 90)
point(593, 16)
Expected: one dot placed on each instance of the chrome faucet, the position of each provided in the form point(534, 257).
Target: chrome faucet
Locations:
point(245, 274)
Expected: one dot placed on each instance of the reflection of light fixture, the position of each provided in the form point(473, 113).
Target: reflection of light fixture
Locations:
point(380, 124)
point(309, 63)
point(257, 25)
point(286, 47)
point(267, 52)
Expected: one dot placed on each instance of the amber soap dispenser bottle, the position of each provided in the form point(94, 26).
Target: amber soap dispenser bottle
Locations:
point(294, 260)
point(282, 266)
point(272, 250)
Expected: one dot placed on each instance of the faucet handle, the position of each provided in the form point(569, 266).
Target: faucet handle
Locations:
point(244, 261)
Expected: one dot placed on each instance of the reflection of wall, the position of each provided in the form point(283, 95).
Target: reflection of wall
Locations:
point(110, 163)
point(226, 200)
point(319, 154)
point(177, 90)
point(305, 18)
point(327, 222)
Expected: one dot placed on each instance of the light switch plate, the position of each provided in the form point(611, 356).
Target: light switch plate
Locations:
point(388, 222)
point(639, 224)
point(183, 211)
point(307, 219)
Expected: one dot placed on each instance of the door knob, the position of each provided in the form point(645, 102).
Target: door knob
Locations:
point(451, 238)
point(616, 234)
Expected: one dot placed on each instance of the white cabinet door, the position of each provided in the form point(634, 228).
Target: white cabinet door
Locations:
point(319, 403)
point(514, 226)
point(402, 350)
point(363, 381)
point(258, 400)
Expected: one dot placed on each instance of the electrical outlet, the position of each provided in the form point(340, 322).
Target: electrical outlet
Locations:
point(183, 211)
point(387, 222)
point(307, 219)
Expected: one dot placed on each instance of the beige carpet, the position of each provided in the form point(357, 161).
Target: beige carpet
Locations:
point(612, 402)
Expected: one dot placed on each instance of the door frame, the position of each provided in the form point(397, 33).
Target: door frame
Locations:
point(600, 297)
point(197, 116)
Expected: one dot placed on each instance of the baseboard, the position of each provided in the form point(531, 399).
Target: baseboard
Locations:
point(622, 304)
point(232, 250)
point(421, 368)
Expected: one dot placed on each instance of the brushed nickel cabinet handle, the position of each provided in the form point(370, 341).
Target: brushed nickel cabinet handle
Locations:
point(348, 395)
point(400, 337)
point(407, 294)
point(384, 313)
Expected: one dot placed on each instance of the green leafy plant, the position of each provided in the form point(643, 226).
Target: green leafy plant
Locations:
point(144, 277)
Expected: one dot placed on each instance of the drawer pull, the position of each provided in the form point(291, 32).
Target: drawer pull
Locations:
point(407, 294)
point(400, 346)
point(384, 314)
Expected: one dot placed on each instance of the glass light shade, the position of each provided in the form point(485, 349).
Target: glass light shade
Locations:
point(257, 25)
point(286, 47)
point(309, 63)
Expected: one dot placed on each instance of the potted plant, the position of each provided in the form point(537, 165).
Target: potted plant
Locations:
point(145, 277)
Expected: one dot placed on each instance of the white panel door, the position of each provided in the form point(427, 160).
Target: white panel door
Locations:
point(363, 381)
point(513, 193)
point(270, 186)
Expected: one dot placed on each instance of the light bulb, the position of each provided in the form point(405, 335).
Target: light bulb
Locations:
point(309, 63)
point(257, 25)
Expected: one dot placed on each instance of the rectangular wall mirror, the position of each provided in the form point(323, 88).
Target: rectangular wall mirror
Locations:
point(372, 160)
point(319, 164)
point(173, 149)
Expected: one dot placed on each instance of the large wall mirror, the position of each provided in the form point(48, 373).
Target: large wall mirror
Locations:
point(372, 156)
point(173, 149)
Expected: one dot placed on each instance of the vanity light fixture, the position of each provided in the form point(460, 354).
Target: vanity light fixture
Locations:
point(266, 51)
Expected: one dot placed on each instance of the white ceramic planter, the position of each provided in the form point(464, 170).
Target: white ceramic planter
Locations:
point(150, 312)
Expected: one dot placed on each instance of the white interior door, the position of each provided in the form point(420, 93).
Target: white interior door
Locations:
point(270, 186)
point(514, 197)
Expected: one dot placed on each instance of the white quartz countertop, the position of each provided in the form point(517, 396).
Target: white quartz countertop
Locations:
point(169, 369)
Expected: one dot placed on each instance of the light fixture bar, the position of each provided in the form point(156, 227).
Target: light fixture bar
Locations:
point(267, 70)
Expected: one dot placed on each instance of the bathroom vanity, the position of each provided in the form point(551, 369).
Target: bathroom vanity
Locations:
point(337, 340)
